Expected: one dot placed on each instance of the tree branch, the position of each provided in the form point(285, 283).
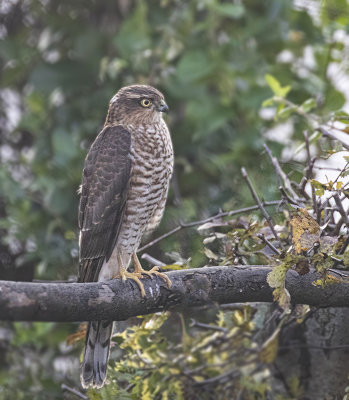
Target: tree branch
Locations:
point(260, 205)
point(118, 300)
point(283, 178)
point(204, 221)
point(331, 136)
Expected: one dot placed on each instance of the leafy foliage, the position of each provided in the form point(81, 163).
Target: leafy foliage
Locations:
point(196, 366)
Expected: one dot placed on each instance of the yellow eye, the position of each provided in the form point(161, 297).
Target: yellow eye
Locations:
point(146, 103)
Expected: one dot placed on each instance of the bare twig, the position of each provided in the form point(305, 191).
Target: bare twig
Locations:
point(204, 221)
point(345, 245)
point(341, 210)
point(341, 171)
point(196, 324)
point(287, 197)
point(315, 206)
point(280, 173)
point(341, 274)
point(329, 135)
point(74, 391)
point(309, 175)
point(326, 213)
point(301, 188)
point(229, 374)
point(332, 221)
point(269, 244)
point(327, 168)
point(260, 205)
point(164, 236)
point(337, 227)
point(152, 260)
point(309, 170)
point(276, 165)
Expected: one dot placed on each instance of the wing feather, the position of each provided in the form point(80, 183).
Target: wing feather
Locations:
point(105, 183)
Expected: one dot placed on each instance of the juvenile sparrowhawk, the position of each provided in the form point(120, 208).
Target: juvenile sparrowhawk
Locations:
point(123, 193)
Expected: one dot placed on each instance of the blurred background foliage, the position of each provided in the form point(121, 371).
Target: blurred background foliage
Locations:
point(62, 61)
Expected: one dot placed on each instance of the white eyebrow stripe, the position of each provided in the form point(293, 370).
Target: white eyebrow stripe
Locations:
point(134, 96)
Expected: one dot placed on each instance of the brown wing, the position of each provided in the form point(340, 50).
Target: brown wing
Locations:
point(104, 188)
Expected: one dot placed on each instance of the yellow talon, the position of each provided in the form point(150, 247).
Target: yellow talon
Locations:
point(153, 271)
point(124, 274)
point(135, 277)
point(138, 272)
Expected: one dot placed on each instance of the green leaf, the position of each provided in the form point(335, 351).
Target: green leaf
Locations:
point(334, 100)
point(276, 278)
point(146, 395)
point(341, 116)
point(284, 113)
point(193, 66)
point(316, 184)
point(268, 102)
point(319, 192)
point(309, 105)
point(275, 86)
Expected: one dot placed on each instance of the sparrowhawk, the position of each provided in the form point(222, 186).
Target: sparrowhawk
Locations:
point(123, 193)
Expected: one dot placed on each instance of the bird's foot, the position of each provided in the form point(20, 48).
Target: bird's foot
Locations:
point(124, 274)
point(153, 271)
point(135, 277)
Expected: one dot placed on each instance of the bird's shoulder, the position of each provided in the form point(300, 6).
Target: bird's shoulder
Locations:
point(106, 175)
point(111, 138)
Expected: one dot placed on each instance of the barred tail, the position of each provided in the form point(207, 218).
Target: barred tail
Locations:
point(96, 355)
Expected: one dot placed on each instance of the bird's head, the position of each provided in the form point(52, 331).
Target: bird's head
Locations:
point(136, 104)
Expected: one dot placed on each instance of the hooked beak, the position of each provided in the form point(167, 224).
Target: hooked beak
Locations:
point(163, 107)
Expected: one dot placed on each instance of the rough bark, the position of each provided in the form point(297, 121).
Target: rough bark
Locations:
point(118, 300)
point(317, 356)
point(328, 369)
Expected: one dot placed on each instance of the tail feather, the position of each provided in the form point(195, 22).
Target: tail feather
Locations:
point(96, 355)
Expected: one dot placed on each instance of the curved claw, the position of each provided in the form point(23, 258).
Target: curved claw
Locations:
point(153, 271)
point(160, 274)
point(124, 274)
point(135, 277)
